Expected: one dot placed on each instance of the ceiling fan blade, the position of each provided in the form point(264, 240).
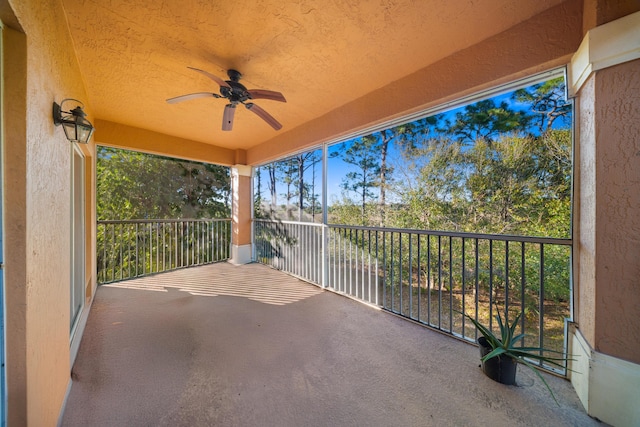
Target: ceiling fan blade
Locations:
point(263, 115)
point(192, 96)
point(212, 77)
point(227, 118)
point(266, 94)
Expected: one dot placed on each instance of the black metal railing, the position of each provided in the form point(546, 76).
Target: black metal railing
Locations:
point(133, 248)
point(432, 276)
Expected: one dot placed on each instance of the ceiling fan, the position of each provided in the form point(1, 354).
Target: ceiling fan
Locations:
point(236, 93)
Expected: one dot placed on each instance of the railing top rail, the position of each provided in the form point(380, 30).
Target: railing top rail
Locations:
point(466, 235)
point(502, 237)
point(313, 224)
point(149, 221)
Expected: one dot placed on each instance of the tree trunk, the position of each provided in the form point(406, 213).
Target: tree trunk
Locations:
point(300, 186)
point(383, 176)
point(272, 186)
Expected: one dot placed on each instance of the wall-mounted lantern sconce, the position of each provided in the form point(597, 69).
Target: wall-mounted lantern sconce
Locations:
point(76, 127)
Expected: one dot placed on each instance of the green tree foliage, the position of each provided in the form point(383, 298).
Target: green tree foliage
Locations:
point(490, 171)
point(493, 168)
point(364, 154)
point(132, 185)
point(304, 190)
point(287, 173)
point(257, 195)
point(485, 121)
point(405, 137)
point(547, 102)
point(295, 179)
point(272, 182)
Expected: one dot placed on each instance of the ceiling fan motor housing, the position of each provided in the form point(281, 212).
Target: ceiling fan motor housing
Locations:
point(236, 93)
point(234, 75)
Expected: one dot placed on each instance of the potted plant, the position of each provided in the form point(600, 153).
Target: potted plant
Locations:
point(501, 354)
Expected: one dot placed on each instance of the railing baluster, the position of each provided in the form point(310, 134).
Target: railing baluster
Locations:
point(121, 251)
point(541, 299)
point(377, 272)
point(490, 284)
point(369, 264)
point(477, 283)
point(332, 258)
point(113, 265)
point(350, 262)
point(464, 283)
point(175, 245)
point(182, 227)
point(129, 250)
point(357, 270)
point(410, 278)
point(137, 249)
point(451, 284)
point(192, 243)
point(522, 288)
point(428, 279)
point(400, 270)
point(418, 277)
point(439, 282)
point(343, 282)
point(384, 269)
point(157, 233)
point(361, 275)
point(506, 279)
point(149, 228)
point(391, 282)
point(104, 252)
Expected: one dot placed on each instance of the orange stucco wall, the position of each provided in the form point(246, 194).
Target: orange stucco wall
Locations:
point(609, 237)
point(607, 195)
point(15, 192)
point(40, 67)
point(131, 138)
point(598, 12)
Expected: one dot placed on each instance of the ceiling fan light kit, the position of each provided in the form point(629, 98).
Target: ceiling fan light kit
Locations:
point(236, 93)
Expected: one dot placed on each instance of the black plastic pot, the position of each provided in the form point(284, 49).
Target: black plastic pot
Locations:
point(500, 368)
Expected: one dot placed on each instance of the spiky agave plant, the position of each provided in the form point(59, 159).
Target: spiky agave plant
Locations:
point(507, 345)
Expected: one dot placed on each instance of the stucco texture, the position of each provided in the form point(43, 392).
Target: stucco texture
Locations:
point(608, 301)
point(38, 336)
point(617, 296)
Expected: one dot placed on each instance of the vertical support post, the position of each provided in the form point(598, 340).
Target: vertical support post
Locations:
point(241, 247)
point(325, 228)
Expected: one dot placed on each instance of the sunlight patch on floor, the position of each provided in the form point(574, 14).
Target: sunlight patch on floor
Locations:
point(252, 281)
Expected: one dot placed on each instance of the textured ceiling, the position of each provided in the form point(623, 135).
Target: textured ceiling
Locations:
point(320, 54)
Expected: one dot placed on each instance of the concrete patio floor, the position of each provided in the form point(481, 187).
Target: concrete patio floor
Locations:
point(225, 345)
